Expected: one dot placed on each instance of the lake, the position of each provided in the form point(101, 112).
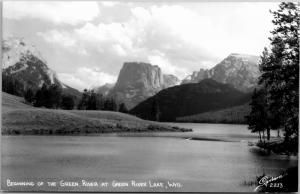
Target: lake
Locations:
point(214, 157)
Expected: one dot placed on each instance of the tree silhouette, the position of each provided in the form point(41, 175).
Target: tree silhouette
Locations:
point(48, 96)
point(29, 95)
point(67, 102)
point(280, 74)
point(123, 108)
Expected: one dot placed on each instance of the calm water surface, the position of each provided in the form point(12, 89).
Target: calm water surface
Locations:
point(214, 157)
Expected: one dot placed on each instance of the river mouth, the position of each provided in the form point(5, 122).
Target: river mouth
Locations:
point(212, 158)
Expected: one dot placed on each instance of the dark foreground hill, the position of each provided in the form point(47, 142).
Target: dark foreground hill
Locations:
point(20, 118)
point(190, 99)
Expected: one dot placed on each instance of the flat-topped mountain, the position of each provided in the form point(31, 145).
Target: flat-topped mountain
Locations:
point(137, 81)
point(239, 70)
point(190, 99)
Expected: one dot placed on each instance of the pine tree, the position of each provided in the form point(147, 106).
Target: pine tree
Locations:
point(258, 117)
point(123, 108)
point(83, 104)
point(155, 112)
point(29, 95)
point(48, 96)
point(54, 96)
point(280, 71)
point(41, 96)
point(114, 105)
point(92, 101)
point(12, 86)
point(67, 102)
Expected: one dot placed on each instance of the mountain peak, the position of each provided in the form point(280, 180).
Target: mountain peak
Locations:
point(138, 81)
point(24, 62)
point(18, 49)
point(252, 58)
point(134, 64)
point(239, 70)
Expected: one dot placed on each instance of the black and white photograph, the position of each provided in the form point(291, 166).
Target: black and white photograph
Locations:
point(150, 96)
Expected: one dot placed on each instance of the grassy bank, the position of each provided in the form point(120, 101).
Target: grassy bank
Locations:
point(278, 146)
point(20, 118)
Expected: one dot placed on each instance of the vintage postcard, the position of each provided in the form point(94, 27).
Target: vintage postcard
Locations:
point(150, 96)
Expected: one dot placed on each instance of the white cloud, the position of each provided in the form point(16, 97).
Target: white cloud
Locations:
point(64, 39)
point(101, 33)
point(166, 66)
point(58, 37)
point(144, 37)
point(57, 12)
point(119, 50)
point(85, 77)
point(174, 37)
point(109, 3)
point(72, 81)
point(178, 37)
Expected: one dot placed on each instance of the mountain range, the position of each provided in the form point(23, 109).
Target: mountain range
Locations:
point(139, 81)
point(143, 87)
point(239, 70)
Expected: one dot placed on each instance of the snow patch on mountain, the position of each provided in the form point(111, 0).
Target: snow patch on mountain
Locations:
point(20, 69)
point(15, 50)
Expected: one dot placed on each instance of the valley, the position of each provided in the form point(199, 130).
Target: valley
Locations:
point(143, 89)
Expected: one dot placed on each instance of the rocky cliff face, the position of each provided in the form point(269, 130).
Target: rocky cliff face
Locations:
point(170, 80)
point(239, 70)
point(22, 61)
point(138, 81)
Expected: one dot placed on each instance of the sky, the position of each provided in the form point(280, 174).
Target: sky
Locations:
point(86, 43)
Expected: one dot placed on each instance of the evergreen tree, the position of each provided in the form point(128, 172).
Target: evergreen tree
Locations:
point(155, 112)
point(41, 96)
point(29, 95)
point(100, 102)
point(12, 86)
point(54, 96)
point(123, 108)
point(83, 104)
point(67, 102)
point(280, 74)
point(48, 97)
point(114, 105)
point(258, 117)
point(92, 101)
